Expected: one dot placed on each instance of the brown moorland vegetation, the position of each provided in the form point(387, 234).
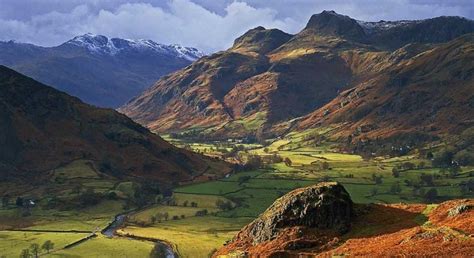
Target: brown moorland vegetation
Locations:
point(376, 230)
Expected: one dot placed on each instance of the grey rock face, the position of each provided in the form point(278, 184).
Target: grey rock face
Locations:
point(325, 206)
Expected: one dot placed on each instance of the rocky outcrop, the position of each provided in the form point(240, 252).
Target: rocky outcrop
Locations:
point(306, 223)
point(323, 206)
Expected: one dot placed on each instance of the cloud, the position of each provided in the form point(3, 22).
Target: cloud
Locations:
point(206, 24)
point(182, 22)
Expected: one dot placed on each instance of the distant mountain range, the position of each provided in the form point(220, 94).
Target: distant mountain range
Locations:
point(103, 71)
point(367, 79)
point(43, 129)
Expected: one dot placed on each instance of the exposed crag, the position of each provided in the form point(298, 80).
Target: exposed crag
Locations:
point(321, 221)
point(269, 82)
point(325, 205)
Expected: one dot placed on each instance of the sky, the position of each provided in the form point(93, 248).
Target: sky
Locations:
point(209, 25)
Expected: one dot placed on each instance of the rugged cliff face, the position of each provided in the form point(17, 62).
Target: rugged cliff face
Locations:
point(428, 92)
point(321, 220)
point(268, 79)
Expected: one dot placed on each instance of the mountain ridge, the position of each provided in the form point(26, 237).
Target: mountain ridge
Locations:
point(250, 91)
point(100, 71)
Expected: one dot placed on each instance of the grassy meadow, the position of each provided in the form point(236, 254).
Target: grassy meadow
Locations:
point(58, 215)
point(199, 218)
point(249, 193)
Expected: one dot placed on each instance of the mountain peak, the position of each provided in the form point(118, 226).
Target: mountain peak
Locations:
point(261, 40)
point(334, 24)
point(101, 44)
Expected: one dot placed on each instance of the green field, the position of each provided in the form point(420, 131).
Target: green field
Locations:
point(200, 218)
point(253, 191)
point(64, 223)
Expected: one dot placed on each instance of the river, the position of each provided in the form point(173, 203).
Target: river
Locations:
point(109, 231)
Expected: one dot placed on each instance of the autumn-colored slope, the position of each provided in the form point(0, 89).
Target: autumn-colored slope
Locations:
point(269, 77)
point(376, 230)
point(43, 129)
point(429, 93)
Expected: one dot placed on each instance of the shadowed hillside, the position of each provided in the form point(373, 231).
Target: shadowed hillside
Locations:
point(43, 129)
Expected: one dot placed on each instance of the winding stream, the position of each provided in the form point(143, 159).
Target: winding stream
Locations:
point(109, 231)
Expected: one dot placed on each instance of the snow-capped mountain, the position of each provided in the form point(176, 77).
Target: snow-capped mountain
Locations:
point(103, 71)
point(111, 46)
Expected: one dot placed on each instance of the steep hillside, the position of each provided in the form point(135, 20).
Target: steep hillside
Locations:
point(269, 78)
point(429, 94)
point(43, 129)
point(102, 71)
point(307, 222)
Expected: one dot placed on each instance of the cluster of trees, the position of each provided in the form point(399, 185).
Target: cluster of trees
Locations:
point(224, 205)
point(159, 217)
point(451, 156)
point(314, 139)
point(395, 188)
point(192, 204)
point(321, 165)
point(201, 213)
point(406, 166)
point(243, 179)
point(378, 179)
point(467, 187)
point(158, 251)
point(253, 162)
point(35, 249)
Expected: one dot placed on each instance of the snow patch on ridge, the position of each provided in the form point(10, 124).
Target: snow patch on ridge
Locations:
point(111, 46)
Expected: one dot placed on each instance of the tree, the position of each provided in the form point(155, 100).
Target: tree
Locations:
point(19, 202)
point(408, 166)
point(253, 162)
point(454, 171)
point(374, 191)
point(288, 162)
point(5, 200)
point(201, 213)
point(427, 179)
point(379, 180)
point(224, 205)
point(35, 248)
point(76, 189)
point(47, 245)
point(159, 250)
point(243, 179)
point(443, 158)
point(395, 172)
point(421, 165)
point(325, 165)
point(25, 253)
point(431, 195)
point(395, 188)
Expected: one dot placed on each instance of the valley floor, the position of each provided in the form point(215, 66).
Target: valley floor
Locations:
point(251, 192)
point(200, 218)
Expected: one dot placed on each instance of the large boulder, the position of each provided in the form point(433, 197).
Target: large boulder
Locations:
point(324, 206)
